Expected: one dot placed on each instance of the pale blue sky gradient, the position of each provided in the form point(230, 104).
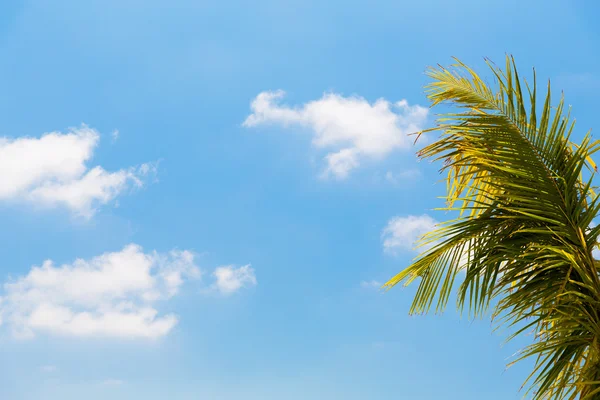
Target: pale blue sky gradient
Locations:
point(176, 79)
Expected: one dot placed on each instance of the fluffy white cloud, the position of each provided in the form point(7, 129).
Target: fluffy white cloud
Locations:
point(350, 128)
point(403, 233)
point(229, 279)
point(51, 171)
point(111, 295)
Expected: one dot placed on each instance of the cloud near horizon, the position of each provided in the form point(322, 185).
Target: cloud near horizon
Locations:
point(350, 128)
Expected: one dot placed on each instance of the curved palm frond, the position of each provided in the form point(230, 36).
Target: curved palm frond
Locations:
point(523, 237)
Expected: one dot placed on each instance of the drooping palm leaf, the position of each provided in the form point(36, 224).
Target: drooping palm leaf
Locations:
point(523, 236)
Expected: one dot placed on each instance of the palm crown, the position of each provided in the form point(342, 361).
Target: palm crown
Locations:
point(524, 235)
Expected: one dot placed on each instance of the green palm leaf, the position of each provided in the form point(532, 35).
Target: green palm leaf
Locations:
point(523, 238)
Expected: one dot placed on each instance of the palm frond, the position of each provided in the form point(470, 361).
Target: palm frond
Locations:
point(524, 194)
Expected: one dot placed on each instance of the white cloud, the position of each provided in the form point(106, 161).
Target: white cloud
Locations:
point(403, 233)
point(111, 295)
point(350, 128)
point(115, 135)
point(51, 171)
point(230, 279)
point(96, 187)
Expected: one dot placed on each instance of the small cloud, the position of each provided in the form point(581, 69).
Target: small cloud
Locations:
point(403, 233)
point(230, 279)
point(114, 135)
point(350, 129)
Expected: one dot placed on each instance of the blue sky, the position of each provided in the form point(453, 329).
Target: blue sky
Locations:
point(220, 186)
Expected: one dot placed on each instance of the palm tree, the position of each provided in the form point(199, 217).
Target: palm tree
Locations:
point(522, 243)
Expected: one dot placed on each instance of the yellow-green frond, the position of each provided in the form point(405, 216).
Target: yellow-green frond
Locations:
point(524, 194)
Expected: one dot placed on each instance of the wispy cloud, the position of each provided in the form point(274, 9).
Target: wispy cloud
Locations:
point(350, 128)
point(229, 279)
point(114, 135)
